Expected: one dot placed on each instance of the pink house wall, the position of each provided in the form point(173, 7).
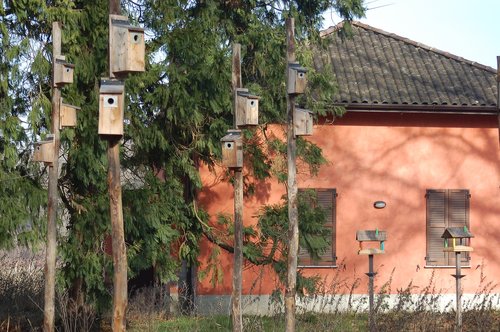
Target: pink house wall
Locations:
point(392, 157)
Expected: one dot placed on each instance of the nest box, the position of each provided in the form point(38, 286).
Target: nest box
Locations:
point(63, 71)
point(459, 238)
point(45, 150)
point(297, 78)
point(371, 236)
point(67, 114)
point(127, 48)
point(111, 105)
point(232, 149)
point(247, 109)
point(302, 122)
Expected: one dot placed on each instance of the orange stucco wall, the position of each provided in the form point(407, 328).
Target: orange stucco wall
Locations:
point(395, 158)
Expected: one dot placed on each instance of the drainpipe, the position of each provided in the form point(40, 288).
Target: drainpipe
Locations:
point(498, 96)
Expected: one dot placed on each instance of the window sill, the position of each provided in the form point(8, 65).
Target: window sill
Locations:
point(317, 266)
point(445, 266)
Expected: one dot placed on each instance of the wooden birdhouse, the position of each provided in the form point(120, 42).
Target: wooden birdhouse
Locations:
point(457, 239)
point(302, 122)
point(67, 114)
point(247, 109)
point(45, 150)
point(372, 236)
point(111, 107)
point(232, 149)
point(297, 78)
point(127, 48)
point(63, 71)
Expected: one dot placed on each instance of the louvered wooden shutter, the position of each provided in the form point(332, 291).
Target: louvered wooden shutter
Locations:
point(445, 208)
point(327, 201)
point(458, 216)
point(436, 224)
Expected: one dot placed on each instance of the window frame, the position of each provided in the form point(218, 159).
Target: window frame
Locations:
point(445, 208)
point(303, 258)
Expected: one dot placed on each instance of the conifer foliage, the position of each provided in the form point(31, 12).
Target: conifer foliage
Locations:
point(176, 113)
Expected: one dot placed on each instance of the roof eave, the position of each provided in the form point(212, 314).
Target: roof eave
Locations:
point(432, 109)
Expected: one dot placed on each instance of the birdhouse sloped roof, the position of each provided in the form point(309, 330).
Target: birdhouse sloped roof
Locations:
point(371, 235)
point(456, 232)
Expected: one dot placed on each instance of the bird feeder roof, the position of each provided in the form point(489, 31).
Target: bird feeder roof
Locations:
point(371, 235)
point(456, 233)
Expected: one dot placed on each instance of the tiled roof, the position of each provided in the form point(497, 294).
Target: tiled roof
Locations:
point(377, 69)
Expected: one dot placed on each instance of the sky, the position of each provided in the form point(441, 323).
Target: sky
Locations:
point(466, 28)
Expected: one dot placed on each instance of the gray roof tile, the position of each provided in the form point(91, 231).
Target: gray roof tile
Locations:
point(375, 67)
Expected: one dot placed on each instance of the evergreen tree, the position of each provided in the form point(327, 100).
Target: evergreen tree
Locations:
point(176, 113)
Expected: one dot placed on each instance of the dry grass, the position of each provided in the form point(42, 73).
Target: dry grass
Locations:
point(415, 309)
point(21, 291)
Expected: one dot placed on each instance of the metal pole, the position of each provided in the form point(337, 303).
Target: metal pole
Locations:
point(458, 277)
point(116, 214)
point(371, 276)
point(293, 228)
point(51, 246)
point(236, 314)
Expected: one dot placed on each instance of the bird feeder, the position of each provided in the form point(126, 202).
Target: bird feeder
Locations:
point(63, 71)
point(371, 236)
point(247, 109)
point(297, 78)
point(232, 149)
point(67, 114)
point(457, 239)
point(303, 122)
point(45, 150)
point(111, 107)
point(127, 47)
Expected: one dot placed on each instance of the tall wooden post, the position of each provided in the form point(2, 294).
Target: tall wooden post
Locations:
point(50, 255)
point(116, 214)
point(236, 314)
point(293, 228)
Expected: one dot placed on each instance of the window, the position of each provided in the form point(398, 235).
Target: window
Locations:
point(445, 208)
point(326, 199)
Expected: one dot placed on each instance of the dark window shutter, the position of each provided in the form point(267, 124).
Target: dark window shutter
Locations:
point(436, 224)
point(445, 208)
point(458, 216)
point(327, 201)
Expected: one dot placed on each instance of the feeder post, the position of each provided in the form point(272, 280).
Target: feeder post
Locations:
point(458, 277)
point(371, 275)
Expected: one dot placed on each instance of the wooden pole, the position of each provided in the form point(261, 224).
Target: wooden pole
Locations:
point(236, 314)
point(118, 237)
point(50, 254)
point(116, 214)
point(293, 228)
